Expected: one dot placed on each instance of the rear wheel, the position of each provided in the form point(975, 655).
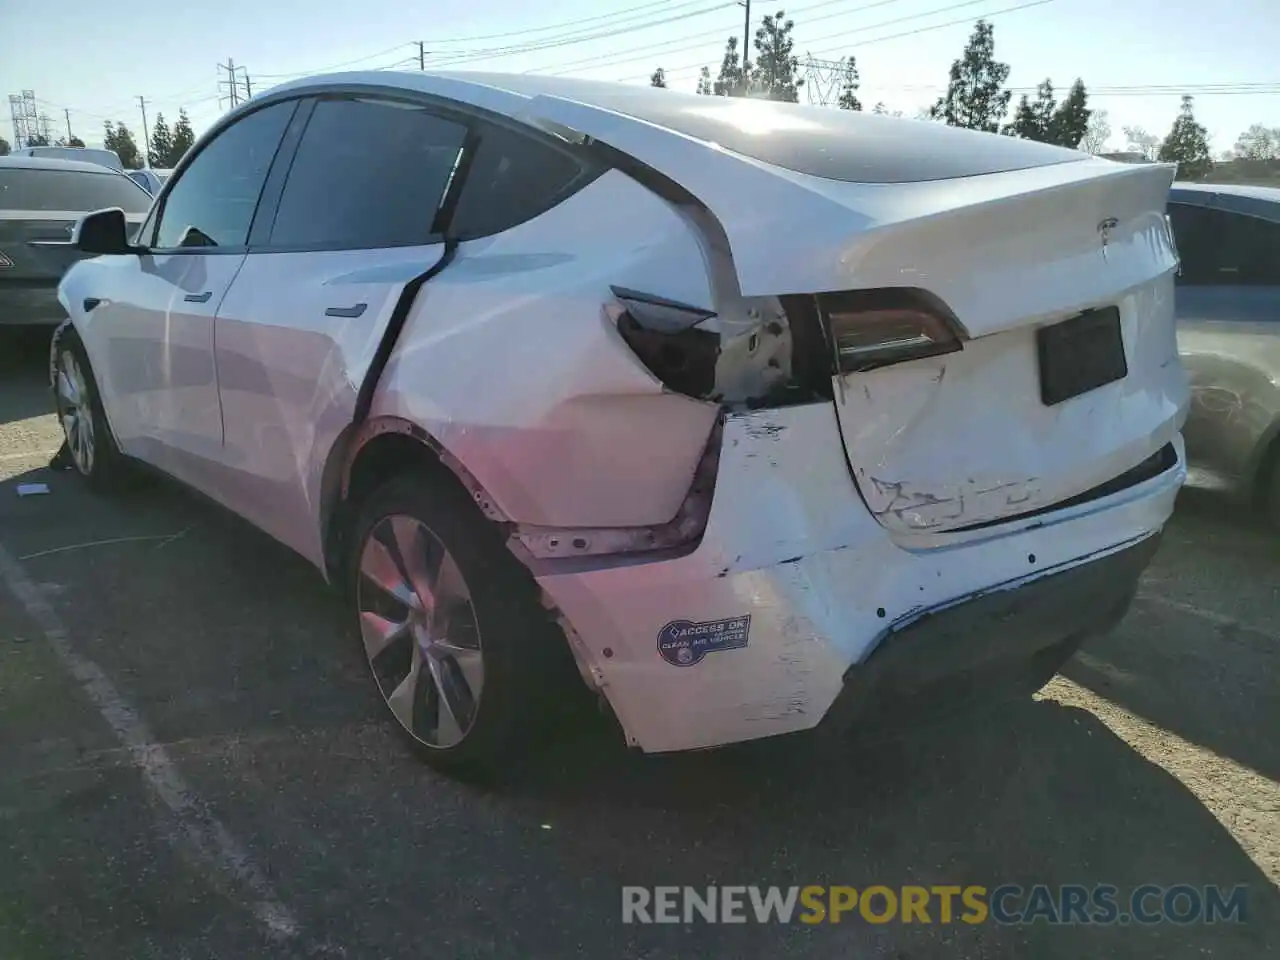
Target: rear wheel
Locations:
point(89, 446)
point(460, 648)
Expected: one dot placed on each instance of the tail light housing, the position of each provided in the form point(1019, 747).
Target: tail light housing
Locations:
point(665, 336)
point(876, 328)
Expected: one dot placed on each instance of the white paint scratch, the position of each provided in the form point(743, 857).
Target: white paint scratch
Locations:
point(211, 840)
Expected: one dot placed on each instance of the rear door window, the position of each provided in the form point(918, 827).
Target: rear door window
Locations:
point(74, 191)
point(368, 173)
point(513, 178)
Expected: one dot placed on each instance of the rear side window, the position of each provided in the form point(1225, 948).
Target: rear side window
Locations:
point(71, 190)
point(212, 203)
point(1218, 248)
point(512, 178)
point(368, 173)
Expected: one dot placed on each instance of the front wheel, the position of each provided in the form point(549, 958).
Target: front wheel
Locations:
point(459, 646)
point(88, 444)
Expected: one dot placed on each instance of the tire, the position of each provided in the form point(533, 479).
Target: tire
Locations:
point(89, 448)
point(474, 670)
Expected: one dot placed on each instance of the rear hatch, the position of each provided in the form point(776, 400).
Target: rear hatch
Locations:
point(1053, 269)
point(24, 259)
point(39, 206)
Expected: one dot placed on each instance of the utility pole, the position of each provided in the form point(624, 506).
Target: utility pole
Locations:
point(146, 134)
point(67, 114)
point(746, 35)
point(248, 88)
point(422, 56)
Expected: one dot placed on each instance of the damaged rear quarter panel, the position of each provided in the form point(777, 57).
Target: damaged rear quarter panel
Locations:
point(509, 361)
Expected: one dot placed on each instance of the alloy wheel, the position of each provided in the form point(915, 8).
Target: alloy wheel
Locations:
point(75, 411)
point(418, 623)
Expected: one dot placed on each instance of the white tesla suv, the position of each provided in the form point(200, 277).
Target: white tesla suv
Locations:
point(762, 412)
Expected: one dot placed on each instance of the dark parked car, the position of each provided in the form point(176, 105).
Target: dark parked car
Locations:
point(40, 201)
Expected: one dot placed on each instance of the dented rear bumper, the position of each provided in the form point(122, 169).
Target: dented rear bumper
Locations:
point(795, 584)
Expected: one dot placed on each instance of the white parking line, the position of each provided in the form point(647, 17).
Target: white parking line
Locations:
point(213, 843)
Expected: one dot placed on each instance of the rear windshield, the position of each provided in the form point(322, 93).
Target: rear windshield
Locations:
point(71, 190)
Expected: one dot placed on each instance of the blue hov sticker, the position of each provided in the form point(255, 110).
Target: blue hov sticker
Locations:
point(682, 643)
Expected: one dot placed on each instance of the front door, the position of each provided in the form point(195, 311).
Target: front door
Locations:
point(158, 333)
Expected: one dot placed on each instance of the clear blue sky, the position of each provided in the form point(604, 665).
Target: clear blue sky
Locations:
point(96, 58)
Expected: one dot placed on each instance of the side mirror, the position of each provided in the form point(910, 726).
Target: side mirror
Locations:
point(102, 232)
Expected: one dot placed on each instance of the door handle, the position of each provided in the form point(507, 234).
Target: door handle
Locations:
point(349, 312)
point(198, 297)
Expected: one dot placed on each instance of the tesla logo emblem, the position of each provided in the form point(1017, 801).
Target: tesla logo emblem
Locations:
point(1104, 231)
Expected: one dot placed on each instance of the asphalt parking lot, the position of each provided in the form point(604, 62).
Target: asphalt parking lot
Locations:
point(193, 764)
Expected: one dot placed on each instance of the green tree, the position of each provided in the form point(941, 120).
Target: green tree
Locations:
point(777, 69)
point(880, 108)
point(849, 83)
point(119, 138)
point(1024, 124)
point(705, 85)
point(730, 82)
point(75, 142)
point(975, 96)
point(1069, 124)
point(658, 78)
point(4, 147)
point(1187, 144)
point(183, 138)
point(161, 144)
point(39, 140)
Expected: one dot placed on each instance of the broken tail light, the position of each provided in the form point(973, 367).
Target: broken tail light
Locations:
point(664, 335)
point(876, 328)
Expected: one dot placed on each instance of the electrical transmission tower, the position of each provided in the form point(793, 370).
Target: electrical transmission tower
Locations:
point(26, 118)
point(238, 85)
point(823, 78)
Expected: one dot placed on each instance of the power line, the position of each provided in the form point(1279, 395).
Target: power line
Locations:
point(561, 26)
point(552, 43)
point(600, 59)
point(906, 33)
point(335, 66)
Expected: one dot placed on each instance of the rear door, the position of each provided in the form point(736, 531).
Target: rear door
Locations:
point(298, 331)
point(39, 206)
point(1228, 330)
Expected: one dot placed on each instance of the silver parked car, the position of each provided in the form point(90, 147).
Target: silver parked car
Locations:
point(1228, 310)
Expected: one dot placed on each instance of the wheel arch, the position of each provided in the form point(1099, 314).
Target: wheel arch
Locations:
point(369, 453)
